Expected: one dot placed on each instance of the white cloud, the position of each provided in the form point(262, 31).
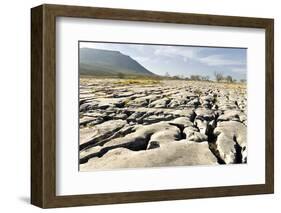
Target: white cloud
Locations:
point(219, 60)
point(239, 70)
point(141, 58)
point(168, 51)
point(192, 54)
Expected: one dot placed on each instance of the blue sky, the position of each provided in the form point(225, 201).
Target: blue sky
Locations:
point(183, 60)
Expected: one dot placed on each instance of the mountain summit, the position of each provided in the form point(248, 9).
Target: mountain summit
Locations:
point(100, 62)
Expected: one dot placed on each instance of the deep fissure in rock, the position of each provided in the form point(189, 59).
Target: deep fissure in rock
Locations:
point(96, 141)
point(117, 134)
point(212, 138)
point(238, 149)
point(181, 128)
point(137, 145)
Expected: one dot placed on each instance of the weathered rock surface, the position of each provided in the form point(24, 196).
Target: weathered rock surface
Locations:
point(175, 153)
point(100, 131)
point(232, 115)
point(193, 134)
point(126, 124)
point(182, 121)
point(231, 141)
point(140, 139)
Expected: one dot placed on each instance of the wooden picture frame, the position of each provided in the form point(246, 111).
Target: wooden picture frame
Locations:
point(43, 105)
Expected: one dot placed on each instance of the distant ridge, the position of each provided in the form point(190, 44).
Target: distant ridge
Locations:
point(100, 62)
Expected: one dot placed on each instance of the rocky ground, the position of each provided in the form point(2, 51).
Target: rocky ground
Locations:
point(147, 123)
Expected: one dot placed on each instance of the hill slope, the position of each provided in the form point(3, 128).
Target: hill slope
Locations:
point(109, 63)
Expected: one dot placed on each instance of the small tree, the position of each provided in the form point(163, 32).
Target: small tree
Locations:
point(205, 78)
point(167, 75)
point(218, 76)
point(176, 77)
point(229, 79)
point(195, 77)
point(120, 75)
point(243, 80)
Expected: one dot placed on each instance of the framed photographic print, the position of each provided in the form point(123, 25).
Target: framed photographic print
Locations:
point(136, 106)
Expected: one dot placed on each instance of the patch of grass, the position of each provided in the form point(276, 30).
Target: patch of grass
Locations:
point(137, 82)
point(126, 102)
point(238, 86)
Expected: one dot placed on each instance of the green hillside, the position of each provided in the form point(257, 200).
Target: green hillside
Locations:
point(99, 62)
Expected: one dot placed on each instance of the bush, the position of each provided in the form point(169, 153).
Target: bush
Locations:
point(120, 75)
point(229, 79)
point(199, 78)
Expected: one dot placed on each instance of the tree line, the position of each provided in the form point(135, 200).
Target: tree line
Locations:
point(219, 77)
